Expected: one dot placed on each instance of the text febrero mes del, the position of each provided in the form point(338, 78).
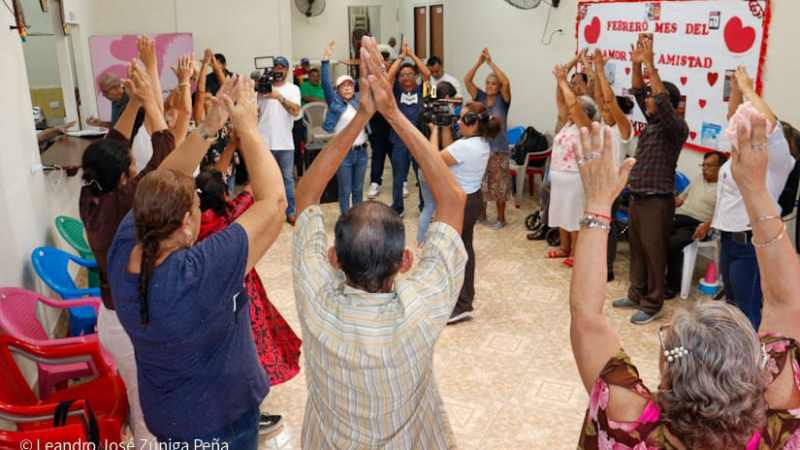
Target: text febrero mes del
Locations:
point(694, 29)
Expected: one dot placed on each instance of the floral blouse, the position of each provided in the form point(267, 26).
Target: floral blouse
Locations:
point(781, 431)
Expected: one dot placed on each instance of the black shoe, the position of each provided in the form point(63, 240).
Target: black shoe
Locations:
point(269, 423)
point(670, 293)
point(538, 235)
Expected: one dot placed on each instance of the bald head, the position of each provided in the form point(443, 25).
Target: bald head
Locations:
point(369, 242)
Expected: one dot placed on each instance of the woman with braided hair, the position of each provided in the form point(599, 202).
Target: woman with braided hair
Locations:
point(183, 303)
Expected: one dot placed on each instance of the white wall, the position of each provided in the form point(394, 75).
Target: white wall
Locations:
point(514, 39)
point(39, 48)
point(311, 35)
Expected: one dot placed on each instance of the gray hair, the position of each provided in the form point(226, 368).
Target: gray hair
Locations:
point(496, 78)
point(107, 81)
point(590, 106)
point(713, 397)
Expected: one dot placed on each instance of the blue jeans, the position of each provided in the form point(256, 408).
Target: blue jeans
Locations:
point(401, 160)
point(240, 434)
point(351, 177)
point(427, 211)
point(740, 276)
point(285, 160)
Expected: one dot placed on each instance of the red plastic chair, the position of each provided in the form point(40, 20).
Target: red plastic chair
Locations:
point(53, 437)
point(18, 319)
point(106, 393)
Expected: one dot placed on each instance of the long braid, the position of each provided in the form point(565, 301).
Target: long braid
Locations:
point(162, 199)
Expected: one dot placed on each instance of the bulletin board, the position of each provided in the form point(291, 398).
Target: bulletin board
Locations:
point(697, 45)
point(112, 54)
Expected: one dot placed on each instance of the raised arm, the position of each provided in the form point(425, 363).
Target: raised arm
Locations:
point(637, 59)
point(325, 74)
point(392, 72)
point(188, 155)
point(124, 125)
point(448, 194)
point(217, 68)
point(184, 102)
point(745, 84)
point(263, 220)
point(200, 93)
point(140, 87)
point(147, 53)
point(777, 261)
point(593, 339)
point(227, 153)
point(571, 103)
point(607, 96)
point(421, 66)
point(506, 91)
point(561, 102)
point(678, 129)
point(470, 76)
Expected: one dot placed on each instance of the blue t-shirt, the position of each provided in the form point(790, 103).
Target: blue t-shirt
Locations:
point(498, 109)
point(197, 365)
point(409, 103)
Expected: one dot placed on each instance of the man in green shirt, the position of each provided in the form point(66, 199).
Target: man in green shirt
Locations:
point(311, 91)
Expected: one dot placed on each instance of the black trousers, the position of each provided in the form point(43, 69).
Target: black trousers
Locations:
point(472, 210)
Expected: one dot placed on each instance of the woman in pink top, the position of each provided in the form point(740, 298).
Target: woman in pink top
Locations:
point(722, 386)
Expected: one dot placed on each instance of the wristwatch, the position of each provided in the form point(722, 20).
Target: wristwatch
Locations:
point(204, 135)
point(590, 222)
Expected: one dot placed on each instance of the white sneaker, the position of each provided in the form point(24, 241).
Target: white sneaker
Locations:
point(373, 190)
point(405, 189)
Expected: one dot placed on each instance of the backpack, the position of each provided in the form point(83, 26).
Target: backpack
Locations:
point(531, 141)
point(789, 194)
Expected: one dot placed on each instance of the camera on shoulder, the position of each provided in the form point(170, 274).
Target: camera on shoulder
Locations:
point(439, 110)
point(264, 83)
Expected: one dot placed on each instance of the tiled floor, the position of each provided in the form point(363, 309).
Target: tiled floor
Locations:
point(507, 376)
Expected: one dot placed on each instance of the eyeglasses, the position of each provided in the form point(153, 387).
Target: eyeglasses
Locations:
point(708, 166)
point(661, 335)
point(406, 75)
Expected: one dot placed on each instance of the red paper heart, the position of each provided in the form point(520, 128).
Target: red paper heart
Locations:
point(592, 31)
point(683, 81)
point(692, 134)
point(627, 71)
point(702, 103)
point(739, 38)
point(712, 78)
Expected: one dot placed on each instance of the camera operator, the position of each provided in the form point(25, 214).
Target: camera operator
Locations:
point(438, 111)
point(278, 108)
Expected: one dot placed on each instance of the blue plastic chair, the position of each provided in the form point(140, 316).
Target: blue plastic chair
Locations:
point(681, 182)
point(514, 134)
point(51, 266)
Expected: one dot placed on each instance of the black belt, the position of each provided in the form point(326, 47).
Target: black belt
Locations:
point(359, 147)
point(742, 237)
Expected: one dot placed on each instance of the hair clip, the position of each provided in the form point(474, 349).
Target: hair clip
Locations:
point(675, 353)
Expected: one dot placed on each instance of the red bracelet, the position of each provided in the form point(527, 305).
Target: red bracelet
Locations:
point(598, 215)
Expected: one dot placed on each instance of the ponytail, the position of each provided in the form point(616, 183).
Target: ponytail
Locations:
point(489, 126)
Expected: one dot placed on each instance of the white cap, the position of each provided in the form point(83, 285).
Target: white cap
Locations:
point(342, 79)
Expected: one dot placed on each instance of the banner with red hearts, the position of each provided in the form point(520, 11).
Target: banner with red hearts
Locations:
point(697, 45)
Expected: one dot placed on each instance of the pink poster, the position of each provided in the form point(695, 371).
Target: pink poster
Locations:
point(112, 53)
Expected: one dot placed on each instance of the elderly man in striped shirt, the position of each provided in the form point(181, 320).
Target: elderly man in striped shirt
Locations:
point(368, 337)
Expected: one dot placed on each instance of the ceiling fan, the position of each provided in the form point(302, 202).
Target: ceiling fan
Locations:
point(524, 4)
point(310, 8)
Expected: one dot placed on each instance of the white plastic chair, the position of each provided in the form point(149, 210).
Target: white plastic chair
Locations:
point(690, 257)
point(313, 117)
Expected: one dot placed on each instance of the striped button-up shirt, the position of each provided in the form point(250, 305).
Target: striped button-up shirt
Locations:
point(369, 357)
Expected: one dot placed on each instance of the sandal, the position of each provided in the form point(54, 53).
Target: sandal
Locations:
point(481, 220)
point(569, 261)
point(560, 253)
point(497, 225)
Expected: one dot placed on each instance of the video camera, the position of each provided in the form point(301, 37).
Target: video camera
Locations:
point(264, 83)
point(438, 111)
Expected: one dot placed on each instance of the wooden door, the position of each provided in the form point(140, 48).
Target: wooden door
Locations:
point(436, 14)
point(420, 32)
